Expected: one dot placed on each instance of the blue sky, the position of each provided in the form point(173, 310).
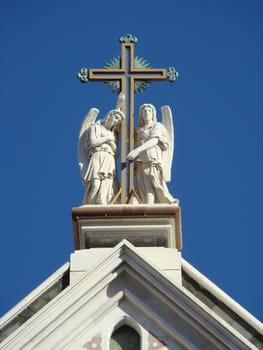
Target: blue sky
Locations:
point(218, 114)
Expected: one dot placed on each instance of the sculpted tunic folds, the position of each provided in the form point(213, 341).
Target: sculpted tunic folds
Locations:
point(149, 164)
point(101, 171)
point(102, 157)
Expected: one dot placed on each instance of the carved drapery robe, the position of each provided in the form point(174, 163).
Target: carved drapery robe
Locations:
point(102, 166)
point(149, 164)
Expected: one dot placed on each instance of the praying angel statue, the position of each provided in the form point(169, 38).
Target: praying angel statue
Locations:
point(97, 153)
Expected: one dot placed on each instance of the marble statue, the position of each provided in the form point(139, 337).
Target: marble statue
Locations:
point(97, 153)
point(153, 155)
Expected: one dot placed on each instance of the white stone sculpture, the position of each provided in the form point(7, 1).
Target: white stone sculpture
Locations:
point(153, 155)
point(97, 153)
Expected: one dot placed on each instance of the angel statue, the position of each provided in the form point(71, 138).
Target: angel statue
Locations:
point(97, 153)
point(153, 155)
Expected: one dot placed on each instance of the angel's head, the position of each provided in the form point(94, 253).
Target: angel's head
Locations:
point(113, 118)
point(147, 114)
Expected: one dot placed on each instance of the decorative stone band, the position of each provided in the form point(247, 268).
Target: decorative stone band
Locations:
point(143, 225)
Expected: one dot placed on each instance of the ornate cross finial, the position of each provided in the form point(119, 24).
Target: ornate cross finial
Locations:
point(128, 38)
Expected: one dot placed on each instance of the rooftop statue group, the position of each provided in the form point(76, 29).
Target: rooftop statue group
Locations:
point(98, 151)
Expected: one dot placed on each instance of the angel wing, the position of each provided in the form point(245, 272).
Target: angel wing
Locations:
point(83, 160)
point(167, 121)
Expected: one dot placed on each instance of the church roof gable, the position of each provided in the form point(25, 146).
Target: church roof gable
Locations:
point(126, 280)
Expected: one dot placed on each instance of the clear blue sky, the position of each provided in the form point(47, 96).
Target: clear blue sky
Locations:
point(217, 104)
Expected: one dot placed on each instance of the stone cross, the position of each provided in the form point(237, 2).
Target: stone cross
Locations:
point(127, 74)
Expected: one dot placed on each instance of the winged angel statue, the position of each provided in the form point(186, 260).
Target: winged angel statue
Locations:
point(153, 155)
point(97, 153)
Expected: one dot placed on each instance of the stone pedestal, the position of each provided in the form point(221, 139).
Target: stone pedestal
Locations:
point(97, 226)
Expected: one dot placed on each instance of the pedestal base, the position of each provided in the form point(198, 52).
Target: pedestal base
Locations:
point(100, 226)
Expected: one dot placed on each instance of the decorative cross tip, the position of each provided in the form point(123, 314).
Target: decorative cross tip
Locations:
point(83, 75)
point(172, 75)
point(128, 38)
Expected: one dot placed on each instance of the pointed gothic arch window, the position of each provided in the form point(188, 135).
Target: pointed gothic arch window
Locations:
point(125, 338)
